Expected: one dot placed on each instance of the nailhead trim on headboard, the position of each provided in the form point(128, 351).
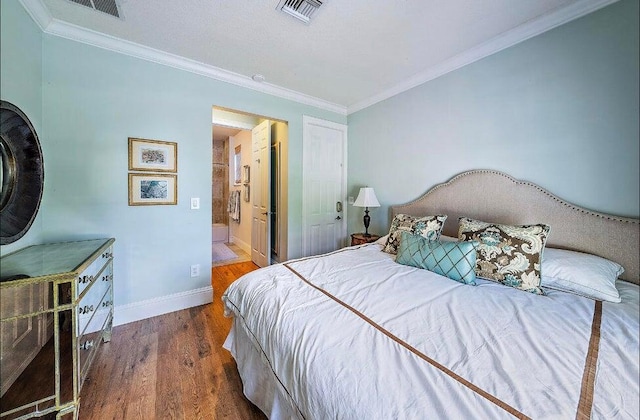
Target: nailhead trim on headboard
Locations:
point(618, 238)
point(530, 184)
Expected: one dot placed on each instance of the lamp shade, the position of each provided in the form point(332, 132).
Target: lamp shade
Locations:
point(366, 198)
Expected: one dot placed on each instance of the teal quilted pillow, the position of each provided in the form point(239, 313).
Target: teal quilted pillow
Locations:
point(456, 260)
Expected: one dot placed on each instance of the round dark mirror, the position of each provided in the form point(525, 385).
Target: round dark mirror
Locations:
point(21, 172)
point(7, 172)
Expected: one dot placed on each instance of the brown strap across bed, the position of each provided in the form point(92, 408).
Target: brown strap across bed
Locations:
point(588, 379)
point(589, 376)
point(415, 351)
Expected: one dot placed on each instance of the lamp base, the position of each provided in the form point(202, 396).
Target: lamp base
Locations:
point(366, 220)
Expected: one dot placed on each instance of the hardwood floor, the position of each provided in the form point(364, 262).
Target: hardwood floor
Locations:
point(171, 367)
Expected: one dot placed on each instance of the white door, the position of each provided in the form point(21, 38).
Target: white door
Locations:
point(261, 194)
point(324, 185)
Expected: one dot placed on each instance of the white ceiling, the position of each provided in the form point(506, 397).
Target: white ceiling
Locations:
point(221, 133)
point(353, 53)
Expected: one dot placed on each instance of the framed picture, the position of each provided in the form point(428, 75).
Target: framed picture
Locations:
point(153, 155)
point(247, 196)
point(247, 174)
point(237, 166)
point(152, 189)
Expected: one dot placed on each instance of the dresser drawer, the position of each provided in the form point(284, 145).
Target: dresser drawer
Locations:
point(92, 298)
point(90, 273)
point(90, 338)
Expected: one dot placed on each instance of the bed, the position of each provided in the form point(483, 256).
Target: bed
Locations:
point(359, 333)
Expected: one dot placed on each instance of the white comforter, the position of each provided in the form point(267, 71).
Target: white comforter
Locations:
point(433, 348)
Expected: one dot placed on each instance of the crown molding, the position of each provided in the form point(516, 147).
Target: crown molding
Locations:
point(499, 43)
point(40, 14)
point(49, 25)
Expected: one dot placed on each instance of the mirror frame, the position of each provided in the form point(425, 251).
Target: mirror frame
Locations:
point(22, 182)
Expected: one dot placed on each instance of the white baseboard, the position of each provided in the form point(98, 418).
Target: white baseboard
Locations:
point(241, 244)
point(136, 311)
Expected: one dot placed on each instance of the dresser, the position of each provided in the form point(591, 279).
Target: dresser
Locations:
point(56, 308)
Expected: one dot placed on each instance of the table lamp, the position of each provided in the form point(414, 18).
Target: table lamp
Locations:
point(366, 198)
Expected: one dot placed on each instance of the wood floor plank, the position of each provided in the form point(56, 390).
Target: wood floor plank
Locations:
point(90, 400)
point(116, 378)
point(171, 367)
point(195, 404)
point(142, 397)
point(168, 390)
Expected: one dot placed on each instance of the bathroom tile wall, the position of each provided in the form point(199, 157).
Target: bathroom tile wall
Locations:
point(220, 185)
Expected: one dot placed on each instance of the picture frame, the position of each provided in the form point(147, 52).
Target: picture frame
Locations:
point(247, 174)
point(237, 166)
point(247, 195)
point(152, 155)
point(153, 189)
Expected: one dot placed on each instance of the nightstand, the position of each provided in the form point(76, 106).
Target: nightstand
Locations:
point(359, 238)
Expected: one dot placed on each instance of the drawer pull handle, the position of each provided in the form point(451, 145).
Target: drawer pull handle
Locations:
point(107, 277)
point(106, 303)
point(86, 345)
point(107, 255)
point(86, 309)
point(85, 279)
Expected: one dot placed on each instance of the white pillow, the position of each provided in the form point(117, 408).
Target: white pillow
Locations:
point(382, 240)
point(583, 274)
point(445, 238)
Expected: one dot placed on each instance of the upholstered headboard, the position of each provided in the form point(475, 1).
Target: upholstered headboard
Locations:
point(496, 197)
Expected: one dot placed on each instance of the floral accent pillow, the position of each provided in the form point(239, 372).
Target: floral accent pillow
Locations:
point(428, 227)
point(510, 255)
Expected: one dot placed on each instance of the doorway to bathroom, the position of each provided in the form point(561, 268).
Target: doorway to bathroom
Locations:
point(224, 250)
point(249, 188)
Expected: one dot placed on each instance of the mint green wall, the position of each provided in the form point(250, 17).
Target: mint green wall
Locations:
point(85, 102)
point(21, 84)
point(560, 110)
point(94, 100)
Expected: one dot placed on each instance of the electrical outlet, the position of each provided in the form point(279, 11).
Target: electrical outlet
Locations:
point(195, 203)
point(351, 201)
point(195, 270)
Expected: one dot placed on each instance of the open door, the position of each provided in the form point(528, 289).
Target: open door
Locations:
point(261, 194)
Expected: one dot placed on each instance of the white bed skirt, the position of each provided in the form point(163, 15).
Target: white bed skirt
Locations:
point(259, 384)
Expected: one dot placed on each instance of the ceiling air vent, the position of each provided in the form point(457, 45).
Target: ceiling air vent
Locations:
point(300, 9)
point(109, 7)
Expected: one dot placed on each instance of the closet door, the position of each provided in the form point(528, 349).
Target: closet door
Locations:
point(324, 186)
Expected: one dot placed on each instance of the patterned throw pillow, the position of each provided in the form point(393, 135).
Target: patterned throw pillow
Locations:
point(428, 227)
point(507, 254)
point(456, 260)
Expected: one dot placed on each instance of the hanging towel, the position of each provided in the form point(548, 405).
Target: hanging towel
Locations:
point(230, 203)
point(234, 206)
point(236, 213)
